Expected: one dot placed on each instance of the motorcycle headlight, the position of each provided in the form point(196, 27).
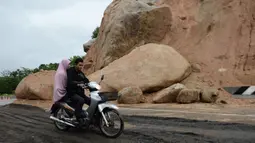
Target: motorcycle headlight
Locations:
point(94, 85)
point(98, 87)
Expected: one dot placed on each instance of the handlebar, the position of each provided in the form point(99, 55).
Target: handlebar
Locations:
point(83, 85)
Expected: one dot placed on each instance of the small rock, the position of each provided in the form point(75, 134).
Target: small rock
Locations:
point(209, 95)
point(169, 94)
point(196, 68)
point(188, 96)
point(183, 17)
point(130, 95)
point(223, 102)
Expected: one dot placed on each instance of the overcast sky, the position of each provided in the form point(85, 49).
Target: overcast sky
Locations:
point(33, 32)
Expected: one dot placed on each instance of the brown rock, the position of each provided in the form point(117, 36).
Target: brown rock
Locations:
point(188, 96)
point(219, 33)
point(223, 102)
point(169, 94)
point(127, 24)
point(196, 68)
point(209, 95)
point(150, 67)
point(147, 98)
point(203, 32)
point(130, 95)
point(36, 86)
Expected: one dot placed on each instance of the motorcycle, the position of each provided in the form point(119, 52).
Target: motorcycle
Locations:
point(100, 113)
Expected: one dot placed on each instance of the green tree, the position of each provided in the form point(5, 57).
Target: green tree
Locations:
point(10, 79)
point(73, 58)
point(42, 67)
point(51, 66)
point(95, 33)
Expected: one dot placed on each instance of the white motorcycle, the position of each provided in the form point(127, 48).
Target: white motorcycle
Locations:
point(100, 113)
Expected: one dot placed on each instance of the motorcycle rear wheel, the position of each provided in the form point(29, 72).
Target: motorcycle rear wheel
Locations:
point(103, 127)
point(58, 125)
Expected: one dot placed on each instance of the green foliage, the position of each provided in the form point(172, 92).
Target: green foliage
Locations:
point(51, 66)
point(73, 58)
point(9, 80)
point(95, 33)
point(8, 84)
point(6, 94)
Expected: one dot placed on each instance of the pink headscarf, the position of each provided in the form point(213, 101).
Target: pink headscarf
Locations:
point(60, 81)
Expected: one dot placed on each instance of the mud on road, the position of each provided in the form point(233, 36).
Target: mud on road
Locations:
point(27, 124)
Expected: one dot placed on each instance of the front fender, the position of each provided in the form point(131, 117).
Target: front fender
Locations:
point(102, 106)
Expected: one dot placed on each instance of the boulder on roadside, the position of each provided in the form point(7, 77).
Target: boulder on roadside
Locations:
point(130, 95)
point(127, 24)
point(168, 95)
point(188, 96)
point(209, 95)
point(37, 86)
point(150, 67)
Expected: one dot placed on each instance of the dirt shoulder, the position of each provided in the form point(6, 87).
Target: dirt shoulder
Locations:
point(46, 104)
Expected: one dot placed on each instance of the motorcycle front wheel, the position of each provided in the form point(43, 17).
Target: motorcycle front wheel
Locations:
point(114, 118)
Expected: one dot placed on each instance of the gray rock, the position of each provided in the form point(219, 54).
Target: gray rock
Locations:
point(87, 45)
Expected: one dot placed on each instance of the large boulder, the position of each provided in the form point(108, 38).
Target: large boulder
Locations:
point(130, 95)
point(150, 67)
point(189, 96)
point(168, 95)
point(38, 86)
point(127, 24)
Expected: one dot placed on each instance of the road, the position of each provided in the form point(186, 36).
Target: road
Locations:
point(19, 123)
point(4, 102)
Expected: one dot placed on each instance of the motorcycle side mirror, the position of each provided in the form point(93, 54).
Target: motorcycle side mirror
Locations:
point(102, 77)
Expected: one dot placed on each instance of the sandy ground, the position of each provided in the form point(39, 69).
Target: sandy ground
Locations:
point(46, 104)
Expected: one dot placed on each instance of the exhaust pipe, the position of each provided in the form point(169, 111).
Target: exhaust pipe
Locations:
point(56, 119)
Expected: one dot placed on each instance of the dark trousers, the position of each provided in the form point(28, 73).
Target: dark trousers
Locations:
point(78, 102)
point(54, 107)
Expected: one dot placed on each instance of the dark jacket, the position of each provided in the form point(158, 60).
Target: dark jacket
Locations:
point(75, 77)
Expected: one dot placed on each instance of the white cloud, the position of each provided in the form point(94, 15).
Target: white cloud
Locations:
point(83, 15)
point(36, 32)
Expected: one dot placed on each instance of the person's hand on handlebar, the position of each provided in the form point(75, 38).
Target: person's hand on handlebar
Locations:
point(83, 85)
point(80, 84)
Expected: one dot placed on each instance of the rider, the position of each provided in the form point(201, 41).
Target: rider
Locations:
point(75, 77)
point(60, 79)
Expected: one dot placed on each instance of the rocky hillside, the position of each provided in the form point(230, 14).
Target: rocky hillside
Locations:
point(215, 36)
point(162, 51)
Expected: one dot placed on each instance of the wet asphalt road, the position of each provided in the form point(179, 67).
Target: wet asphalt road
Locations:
point(5, 102)
point(26, 124)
